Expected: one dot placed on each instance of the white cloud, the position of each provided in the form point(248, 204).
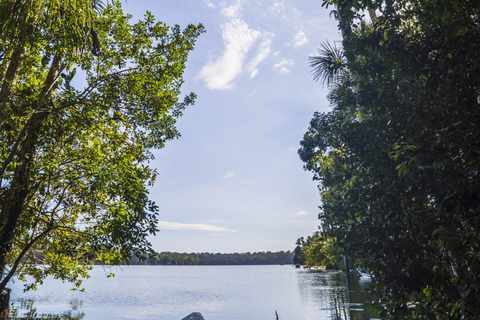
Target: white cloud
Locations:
point(299, 40)
point(277, 8)
point(262, 54)
point(251, 94)
point(238, 39)
point(209, 4)
point(301, 213)
point(191, 226)
point(229, 174)
point(233, 11)
point(283, 66)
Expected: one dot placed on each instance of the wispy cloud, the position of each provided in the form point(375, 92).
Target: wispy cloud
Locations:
point(277, 8)
point(233, 11)
point(238, 39)
point(262, 53)
point(229, 174)
point(251, 94)
point(301, 213)
point(209, 4)
point(283, 66)
point(299, 40)
point(192, 226)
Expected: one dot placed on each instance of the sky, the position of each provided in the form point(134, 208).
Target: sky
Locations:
point(233, 181)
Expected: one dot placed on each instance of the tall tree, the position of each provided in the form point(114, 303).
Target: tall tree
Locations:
point(69, 23)
point(397, 158)
point(74, 163)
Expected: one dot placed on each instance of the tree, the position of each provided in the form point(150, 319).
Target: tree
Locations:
point(74, 163)
point(397, 157)
point(329, 66)
point(299, 255)
point(318, 251)
point(68, 23)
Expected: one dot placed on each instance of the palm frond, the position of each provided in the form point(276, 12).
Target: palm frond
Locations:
point(329, 65)
point(335, 15)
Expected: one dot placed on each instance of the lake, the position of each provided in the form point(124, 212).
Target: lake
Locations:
point(218, 292)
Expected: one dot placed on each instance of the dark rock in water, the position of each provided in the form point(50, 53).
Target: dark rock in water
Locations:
point(194, 316)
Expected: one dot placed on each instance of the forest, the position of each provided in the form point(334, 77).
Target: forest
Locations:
point(397, 158)
point(205, 258)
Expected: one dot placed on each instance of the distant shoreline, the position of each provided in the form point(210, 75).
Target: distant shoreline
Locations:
point(215, 259)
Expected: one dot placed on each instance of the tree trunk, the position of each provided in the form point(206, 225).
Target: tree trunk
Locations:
point(373, 15)
point(344, 25)
point(4, 303)
point(10, 77)
point(13, 200)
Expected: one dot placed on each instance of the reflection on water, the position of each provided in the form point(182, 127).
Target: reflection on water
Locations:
point(328, 291)
point(25, 309)
point(218, 292)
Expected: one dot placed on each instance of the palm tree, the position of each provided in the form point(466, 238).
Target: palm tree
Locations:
point(330, 64)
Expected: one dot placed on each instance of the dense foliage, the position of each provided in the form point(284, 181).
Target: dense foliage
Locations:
point(398, 157)
point(205, 258)
point(318, 251)
point(255, 258)
point(74, 162)
point(165, 258)
point(298, 254)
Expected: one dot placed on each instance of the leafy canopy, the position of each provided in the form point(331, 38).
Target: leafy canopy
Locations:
point(397, 158)
point(75, 162)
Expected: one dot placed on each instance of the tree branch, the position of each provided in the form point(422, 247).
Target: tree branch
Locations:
point(39, 113)
point(21, 255)
point(92, 87)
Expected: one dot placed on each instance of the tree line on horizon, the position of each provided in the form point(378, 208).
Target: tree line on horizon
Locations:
point(206, 258)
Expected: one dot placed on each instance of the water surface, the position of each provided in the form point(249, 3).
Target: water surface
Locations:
point(218, 292)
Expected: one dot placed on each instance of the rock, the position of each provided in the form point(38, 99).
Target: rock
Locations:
point(194, 316)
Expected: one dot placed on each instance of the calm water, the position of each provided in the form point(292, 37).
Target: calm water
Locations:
point(218, 292)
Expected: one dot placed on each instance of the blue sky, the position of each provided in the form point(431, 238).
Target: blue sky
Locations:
point(234, 182)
